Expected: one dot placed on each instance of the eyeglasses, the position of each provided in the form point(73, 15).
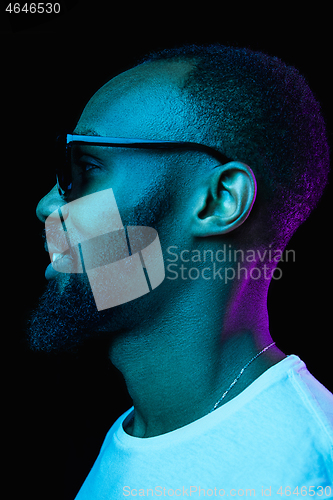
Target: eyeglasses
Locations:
point(64, 143)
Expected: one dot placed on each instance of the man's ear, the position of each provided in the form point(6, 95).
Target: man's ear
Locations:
point(225, 201)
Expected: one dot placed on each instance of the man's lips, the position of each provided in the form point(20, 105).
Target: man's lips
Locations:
point(62, 262)
point(55, 256)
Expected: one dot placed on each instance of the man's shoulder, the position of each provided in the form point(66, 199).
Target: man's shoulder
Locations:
point(314, 397)
point(297, 406)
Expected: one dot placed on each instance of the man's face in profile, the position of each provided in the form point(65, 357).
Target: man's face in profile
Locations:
point(141, 103)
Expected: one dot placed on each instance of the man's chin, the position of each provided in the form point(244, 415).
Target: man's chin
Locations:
point(65, 316)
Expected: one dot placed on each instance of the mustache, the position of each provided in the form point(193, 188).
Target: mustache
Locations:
point(57, 244)
point(55, 238)
point(44, 240)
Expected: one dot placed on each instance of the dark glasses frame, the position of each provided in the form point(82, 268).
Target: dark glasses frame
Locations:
point(64, 143)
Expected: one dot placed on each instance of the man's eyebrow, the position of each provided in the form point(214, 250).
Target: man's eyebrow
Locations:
point(87, 132)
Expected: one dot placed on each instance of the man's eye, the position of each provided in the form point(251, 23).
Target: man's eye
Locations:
point(86, 167)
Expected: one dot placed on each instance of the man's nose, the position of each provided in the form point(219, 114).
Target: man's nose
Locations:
point(50, 203)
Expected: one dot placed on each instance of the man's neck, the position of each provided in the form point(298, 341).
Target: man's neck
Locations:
point(176, 372)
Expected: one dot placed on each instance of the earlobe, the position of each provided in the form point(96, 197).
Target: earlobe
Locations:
point(225, 201)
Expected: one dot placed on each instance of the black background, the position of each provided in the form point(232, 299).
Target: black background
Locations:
point(61, 406)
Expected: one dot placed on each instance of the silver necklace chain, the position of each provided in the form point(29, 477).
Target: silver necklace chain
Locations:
point(239, 375)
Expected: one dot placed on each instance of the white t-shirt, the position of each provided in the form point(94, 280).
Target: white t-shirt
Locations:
point(275, 439)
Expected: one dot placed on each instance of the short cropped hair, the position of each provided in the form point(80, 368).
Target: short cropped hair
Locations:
point(260, 111)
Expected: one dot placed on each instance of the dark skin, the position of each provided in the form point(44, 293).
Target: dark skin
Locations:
point(176, 358)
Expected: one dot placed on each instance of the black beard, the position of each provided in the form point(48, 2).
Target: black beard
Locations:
point(66, 315)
